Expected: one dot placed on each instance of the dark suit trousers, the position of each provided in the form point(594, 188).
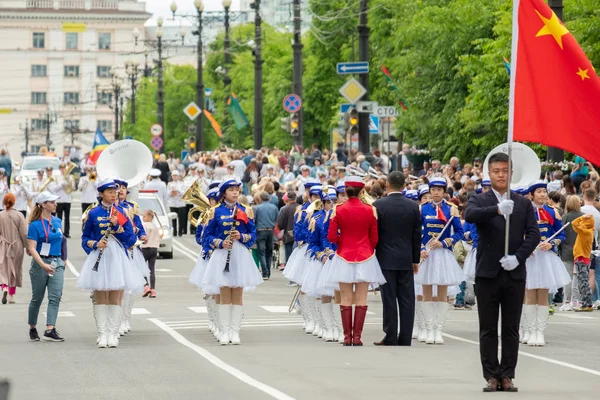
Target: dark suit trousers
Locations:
point(398, 294)
point(506, 294)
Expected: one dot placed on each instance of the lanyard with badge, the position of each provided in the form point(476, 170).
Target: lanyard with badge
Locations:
point(45, 251)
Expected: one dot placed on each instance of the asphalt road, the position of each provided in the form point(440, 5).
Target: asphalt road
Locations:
point(171, 354)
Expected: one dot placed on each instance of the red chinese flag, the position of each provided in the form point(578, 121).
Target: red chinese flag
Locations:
point(121, 218)
point(241, 215)
point(556, 90)
point(545, 216)
point(440, 215)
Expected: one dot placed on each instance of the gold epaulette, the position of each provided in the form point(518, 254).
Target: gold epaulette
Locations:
point(312, 224)
point(249, 212)
point(136, 207)
point(210, 213)
point(298, 214)
point(86, 213)
point(327, 215)
point(556, 213)
point(374, 211)
point(334, 210)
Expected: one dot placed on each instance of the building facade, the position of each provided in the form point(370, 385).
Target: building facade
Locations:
point(59, 60)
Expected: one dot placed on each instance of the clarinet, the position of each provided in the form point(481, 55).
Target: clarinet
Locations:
point(228, 238)
point(105, 237)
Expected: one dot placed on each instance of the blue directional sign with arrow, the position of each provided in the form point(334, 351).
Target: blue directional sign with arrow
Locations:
point(347, 68)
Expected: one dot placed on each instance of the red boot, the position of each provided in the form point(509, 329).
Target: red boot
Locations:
point(347, 324)
point(360, 312)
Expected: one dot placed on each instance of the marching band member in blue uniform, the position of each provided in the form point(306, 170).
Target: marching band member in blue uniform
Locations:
point(107, 236)
point(230, 233)
point(419, 330)
point(439, 266)
point(545, 270)
point(471, 238)
point(315, 215)
point(296, 265)
point(135, 253)
point(212, 301)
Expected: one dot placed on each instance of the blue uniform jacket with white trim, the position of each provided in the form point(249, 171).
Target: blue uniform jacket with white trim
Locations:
point(221, 223)
point(96, 224)
point(432, 225)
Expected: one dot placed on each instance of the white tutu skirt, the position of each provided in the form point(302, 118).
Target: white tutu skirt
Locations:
point(325, 287)
point(545, 270)
point(310, 285)
point(198, 271)
point(243, 272)
point(295, 269)
point(452, 290)
point(140, 263)
point(440, 268)
point(469, 267)
point(115, 271)
point(345, 272)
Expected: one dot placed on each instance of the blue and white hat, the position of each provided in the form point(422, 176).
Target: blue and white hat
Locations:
point(106, 184)
point(311, 182)
point(536, 185)
point(423, 190)
point(226, 184)
point(332, 192)
point(478, 190)
point(412, 194)
point(341, 187)
point(213, 194)
point(214, 184)
point(121, 182)
point(316, 189)
point(325, 195)
point(486, 182)
point(305, 168)
point(438, 181)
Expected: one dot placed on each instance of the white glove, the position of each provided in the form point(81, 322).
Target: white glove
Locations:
point(509, 262)
point(506, 207)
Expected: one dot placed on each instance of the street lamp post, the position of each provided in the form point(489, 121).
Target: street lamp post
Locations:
point(132, 72)
point(258, 62)
point(199, 80)
point(227, 53)
point(160, 96)
point(116, 83)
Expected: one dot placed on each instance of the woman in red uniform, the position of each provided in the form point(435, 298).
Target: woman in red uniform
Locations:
point(353, 228)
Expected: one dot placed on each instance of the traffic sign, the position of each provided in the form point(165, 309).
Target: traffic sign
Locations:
point(361, 67)
point(386, 111)
point(156, 130)
point(292, 103)
point(353, 91)
point(373, 124)
point(208, 92)
point(192, 111)
point(344, 107)
point(156, 142)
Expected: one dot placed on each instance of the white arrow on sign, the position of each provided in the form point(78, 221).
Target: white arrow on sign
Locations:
point(346, 68)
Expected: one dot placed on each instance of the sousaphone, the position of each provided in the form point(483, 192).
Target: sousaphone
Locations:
point(526, 164)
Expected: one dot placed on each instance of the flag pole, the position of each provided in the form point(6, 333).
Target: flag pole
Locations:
point(511, 108)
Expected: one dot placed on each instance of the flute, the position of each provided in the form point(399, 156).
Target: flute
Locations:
point(229, 238)
point(105, 237)
point(555, 234)
point(441, 233)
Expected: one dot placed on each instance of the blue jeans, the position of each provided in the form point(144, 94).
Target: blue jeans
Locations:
point(39, 282)
point(460, 297)
point(264, 242)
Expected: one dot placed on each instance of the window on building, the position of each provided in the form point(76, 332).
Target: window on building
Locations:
point(38, 124)
point(105, 125)
point(71, 71)
point(38, 97)
point(71, 124)
point(39, 40)
point(71, 98)
point(104, 97)
point(104, 41)
point(103, 71)
point(38, 70)
point(72, 40)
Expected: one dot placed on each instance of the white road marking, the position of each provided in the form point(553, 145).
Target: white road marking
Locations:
point(573, 316)
point(162, 270)
point(217, 362)
point(199, 310)
point(139, 311)
point(72, 268)
point(276, 309)
point(189, 254)
point(535, 356)
point(63, 314)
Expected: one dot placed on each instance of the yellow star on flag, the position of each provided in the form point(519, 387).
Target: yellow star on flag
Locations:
point(552, 27)
point(583, 73)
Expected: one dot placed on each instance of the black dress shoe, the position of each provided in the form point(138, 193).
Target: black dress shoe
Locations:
point(507, 385)
point(492, 385)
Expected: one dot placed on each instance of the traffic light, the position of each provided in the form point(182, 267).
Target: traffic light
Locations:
point(352, 115)
point(192, 143)
point(295, 124)
point(286, 124)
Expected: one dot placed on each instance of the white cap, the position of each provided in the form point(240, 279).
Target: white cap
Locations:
point(154, 172)
point(175, 173)
point(46, 196)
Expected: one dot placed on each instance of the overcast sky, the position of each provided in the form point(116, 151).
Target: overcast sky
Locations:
point(162, 7)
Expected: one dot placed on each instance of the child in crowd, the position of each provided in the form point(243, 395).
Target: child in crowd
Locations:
point(582, 251)
point(150, 250)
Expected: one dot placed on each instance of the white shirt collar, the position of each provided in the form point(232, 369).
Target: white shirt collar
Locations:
point(499, 196)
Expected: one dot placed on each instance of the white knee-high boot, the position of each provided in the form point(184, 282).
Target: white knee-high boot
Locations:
point(308, 311)
point(523, 332)
point(225, 317)
point(209, 313)
point(101, 313)
point(128, 314)
point(543, 314)
point(237, 314)
point(429, 311)
point(216, 319)
point(114, 318)
point(440, 321)
point(416, 331)
point(531, 318)
point(327, 314)
point(420, 317)
point(318, 319)
point(337, 317)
